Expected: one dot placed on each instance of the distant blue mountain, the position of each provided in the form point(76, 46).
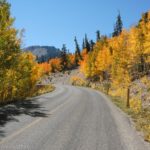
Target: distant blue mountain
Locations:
point(43, 53)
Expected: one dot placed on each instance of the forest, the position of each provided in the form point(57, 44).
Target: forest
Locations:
point(118, 65)
point(117, 60)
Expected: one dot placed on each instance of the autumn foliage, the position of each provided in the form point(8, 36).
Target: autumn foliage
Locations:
point(19, 71)
point(55, 64)
point(120, 59)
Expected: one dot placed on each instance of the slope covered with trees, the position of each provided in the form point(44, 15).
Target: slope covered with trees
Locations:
point(120, 66)
point(122, 58)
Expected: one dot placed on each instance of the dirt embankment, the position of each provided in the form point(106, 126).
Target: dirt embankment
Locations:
point(62, 77)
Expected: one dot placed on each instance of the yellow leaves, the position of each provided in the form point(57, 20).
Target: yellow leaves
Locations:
point(29, 56)
point(104, 59)
point(45, 67)
point(36, 74)
point(117, 91)
point(146, 81)
point(136, 105)
point(71, 61)
point(84, 66)
point(121, 58)
point(88, 66)
point(97, 61)
point(75, 80)
point(8, 87)
point(36, 71)
point(55, 64)
point(9, 57)
point(147, 134)
point(18, 71)
point(147, 41)
point(1, 53)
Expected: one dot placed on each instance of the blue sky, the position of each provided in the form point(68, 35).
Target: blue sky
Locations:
point(54, 22)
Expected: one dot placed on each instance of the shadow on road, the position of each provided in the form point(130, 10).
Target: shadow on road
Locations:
point(8, 112)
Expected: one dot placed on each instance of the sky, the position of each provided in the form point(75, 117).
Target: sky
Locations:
point(57, 22)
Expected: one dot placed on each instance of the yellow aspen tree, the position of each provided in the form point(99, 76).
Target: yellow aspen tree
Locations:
point(122, 63)
point(103, 62)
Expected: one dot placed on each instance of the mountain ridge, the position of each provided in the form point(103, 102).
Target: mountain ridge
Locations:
point(43, 53)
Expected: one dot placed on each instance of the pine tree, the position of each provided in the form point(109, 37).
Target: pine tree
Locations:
point(83, 44)
point(87, 44)
point(92, 45)
point(64, 60)
point(118, 26)
point(98, 37)
point(77, 52)
point(77, 48)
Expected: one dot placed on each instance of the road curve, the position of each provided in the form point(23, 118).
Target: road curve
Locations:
point(70, 118)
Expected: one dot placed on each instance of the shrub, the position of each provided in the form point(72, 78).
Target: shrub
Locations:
point(136, 105)
point(75, 80)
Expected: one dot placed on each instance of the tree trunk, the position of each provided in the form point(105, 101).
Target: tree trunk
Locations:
point(108, 90)
point(128, 97)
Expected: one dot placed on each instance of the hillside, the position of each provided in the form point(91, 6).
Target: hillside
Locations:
point(43, 53)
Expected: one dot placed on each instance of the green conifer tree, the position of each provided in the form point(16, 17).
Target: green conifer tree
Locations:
point(118, 26)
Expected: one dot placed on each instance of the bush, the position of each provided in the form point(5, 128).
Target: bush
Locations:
point(78, 81)
point(42, 89)
point(136, 105)
point(19, 82)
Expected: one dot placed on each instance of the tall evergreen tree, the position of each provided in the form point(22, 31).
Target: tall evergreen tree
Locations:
point(92, 45)
point(98, 36)
point(83, 44)
point(77, 52)
point(118, 26)
point(87, 44)
point(64, 60)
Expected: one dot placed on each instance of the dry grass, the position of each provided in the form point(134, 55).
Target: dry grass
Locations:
point(141, 118)
point(42, 89)
point(77, 81)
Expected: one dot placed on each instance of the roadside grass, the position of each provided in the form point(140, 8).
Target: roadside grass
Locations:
point(42, 89)
point(38, 90)
point(77, 81)
point(141, 119)
point(139, 114)
point(121, 104)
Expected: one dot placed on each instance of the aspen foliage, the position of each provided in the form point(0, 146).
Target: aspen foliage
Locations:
point(18, 71)
point(120, 59)
point(125, 56)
